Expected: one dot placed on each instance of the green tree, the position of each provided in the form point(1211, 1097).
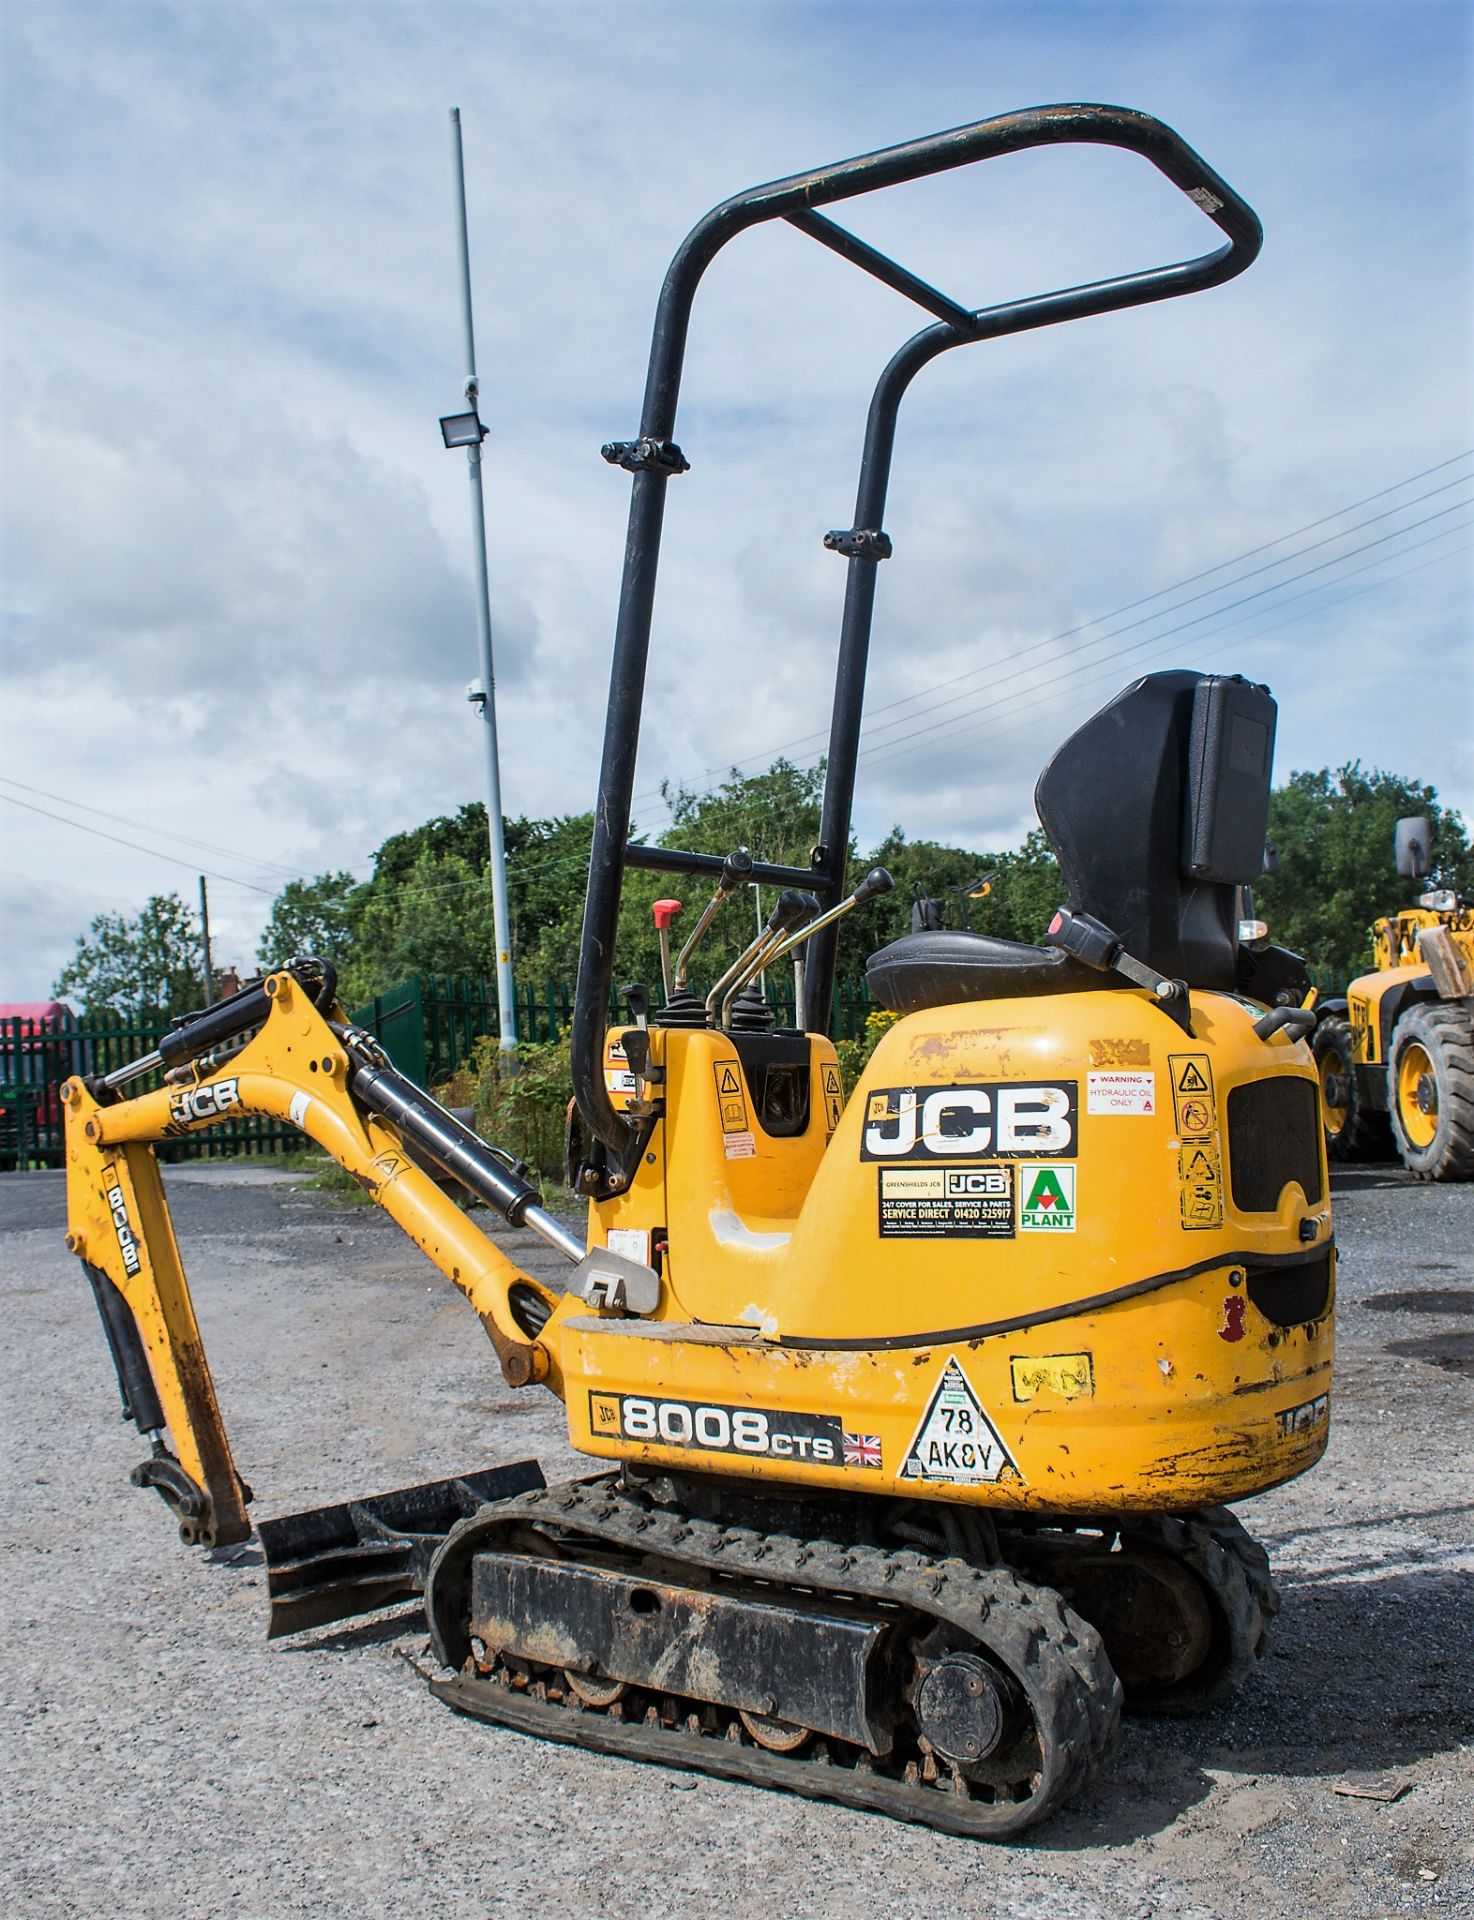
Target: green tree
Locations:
point(435, 918)
point(148, 969)
point(1333, 833)
point(311, 916)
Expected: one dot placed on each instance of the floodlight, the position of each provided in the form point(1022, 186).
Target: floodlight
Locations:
point(462, 429)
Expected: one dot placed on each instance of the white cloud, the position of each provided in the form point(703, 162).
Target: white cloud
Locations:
point(237, 561)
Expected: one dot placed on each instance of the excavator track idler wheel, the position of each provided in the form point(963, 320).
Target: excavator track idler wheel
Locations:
point(1182, 1601)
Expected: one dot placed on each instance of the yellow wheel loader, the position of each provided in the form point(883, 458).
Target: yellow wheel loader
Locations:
point(917, 1415)
point(1397, 1053)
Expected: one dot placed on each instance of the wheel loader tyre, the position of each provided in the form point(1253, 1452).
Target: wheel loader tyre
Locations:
point(1352, 1133)
point(1430, 1091)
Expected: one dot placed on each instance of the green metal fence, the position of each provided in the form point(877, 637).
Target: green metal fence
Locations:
point(428, 1024)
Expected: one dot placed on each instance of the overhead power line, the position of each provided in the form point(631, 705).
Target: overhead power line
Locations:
point(925, 694)
point(118, 841)
point(162, 833)
point(1184, 626)
point(1161, 643)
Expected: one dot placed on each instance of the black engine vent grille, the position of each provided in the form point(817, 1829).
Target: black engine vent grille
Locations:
point(1273, 1138)
point(1289, 1296)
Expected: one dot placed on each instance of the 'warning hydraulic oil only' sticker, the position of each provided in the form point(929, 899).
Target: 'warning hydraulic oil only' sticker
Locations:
point(760, 1432)
point(1199, 1162)
point(1048, 1200)
point(946, 1203)
point(956, 1440)
point(1121, 1093)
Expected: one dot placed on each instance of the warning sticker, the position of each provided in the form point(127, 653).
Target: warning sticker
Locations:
point(633, 1241)
point(829, 1080)
point(730, 1097)
point(739, 1146)
point(1121, 1093)
point(946, 1203)
point(1048, 1200)
point(956, 1440)
point(1192, 1085)
point(298, 1111)
point(1199, 1161)
point(1070, 1375)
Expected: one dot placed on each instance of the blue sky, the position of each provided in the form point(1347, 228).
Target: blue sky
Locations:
point(237, 561)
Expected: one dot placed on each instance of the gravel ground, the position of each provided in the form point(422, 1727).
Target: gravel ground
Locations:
point(159, 1758)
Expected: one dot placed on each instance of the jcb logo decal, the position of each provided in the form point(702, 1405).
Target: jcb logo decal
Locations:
point(118, 1207)
point(999, 1121)
point(203, 1103)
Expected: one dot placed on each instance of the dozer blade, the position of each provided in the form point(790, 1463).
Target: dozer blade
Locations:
point(334, 1562)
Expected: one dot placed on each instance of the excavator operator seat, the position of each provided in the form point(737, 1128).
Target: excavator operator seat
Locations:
point(1156, 810)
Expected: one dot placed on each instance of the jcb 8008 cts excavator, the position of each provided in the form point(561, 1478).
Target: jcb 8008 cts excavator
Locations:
point(919, 1412)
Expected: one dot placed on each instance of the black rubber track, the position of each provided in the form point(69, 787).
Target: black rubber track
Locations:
point(1056, 1657)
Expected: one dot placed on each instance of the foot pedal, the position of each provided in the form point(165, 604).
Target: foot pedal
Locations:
point(333, 1563)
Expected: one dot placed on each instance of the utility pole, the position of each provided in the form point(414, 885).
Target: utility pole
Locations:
point(205, 931)
point(466, 430)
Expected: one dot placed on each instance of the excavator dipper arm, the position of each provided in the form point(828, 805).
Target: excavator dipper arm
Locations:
point(302, 1065)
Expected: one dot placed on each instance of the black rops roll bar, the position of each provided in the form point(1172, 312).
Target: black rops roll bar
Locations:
point(654, 458)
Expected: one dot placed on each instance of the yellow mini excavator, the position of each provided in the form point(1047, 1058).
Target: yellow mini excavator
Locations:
point(917, 1413)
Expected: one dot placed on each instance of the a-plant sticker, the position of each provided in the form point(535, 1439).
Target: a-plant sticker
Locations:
point(956, 1440)
point(1048, 1200)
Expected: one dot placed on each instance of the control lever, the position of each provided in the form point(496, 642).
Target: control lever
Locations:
point(736, 871)
point(792, 908)
point(875, 883)
point(1091, 941)
point(665, 912)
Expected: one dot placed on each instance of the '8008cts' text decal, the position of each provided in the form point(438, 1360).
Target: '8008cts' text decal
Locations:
point(710, 1427)
point(996, 1120)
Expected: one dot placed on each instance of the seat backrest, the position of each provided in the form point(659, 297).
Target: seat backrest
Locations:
point(1157, 809)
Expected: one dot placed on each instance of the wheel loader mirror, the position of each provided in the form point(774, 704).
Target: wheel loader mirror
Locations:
point(1414, 847)
point(1271, 859)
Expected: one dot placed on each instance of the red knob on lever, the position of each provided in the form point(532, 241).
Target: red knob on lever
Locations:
point(665, 912)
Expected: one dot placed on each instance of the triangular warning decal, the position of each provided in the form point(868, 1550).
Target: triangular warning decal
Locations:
point(956, 1440)
point(1191, 1079)
point(729, 1081)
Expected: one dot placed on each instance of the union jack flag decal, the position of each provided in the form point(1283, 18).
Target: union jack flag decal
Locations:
point(862, 1450)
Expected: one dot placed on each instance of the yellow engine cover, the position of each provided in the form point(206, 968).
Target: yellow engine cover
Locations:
point(1053, 1254)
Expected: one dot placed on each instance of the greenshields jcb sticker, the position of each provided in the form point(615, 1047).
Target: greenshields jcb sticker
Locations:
point(1047, 1200)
